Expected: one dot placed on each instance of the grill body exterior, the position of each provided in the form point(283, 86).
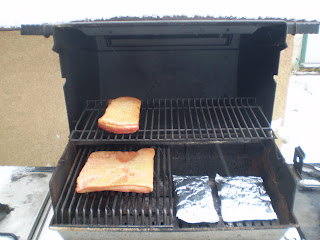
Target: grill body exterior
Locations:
point(89, 233)
point(207, 92)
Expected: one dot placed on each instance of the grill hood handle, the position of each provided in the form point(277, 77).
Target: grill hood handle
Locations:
point(42, 29)
point(293, 27)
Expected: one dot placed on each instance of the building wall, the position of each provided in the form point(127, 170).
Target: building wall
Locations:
point(34, 126)
point(33, 117)
point(297, 45)
point(282, 80)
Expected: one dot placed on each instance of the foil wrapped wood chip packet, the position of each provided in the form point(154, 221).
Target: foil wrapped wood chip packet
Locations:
point(244, 198)
point(194, 199)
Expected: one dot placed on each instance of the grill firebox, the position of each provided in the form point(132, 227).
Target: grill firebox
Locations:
point(207, 91)
point(133, 212)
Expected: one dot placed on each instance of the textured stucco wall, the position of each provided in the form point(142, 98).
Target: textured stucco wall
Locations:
point(33, 120)
point(296, 54)
point(282, 80)
point(34, 126)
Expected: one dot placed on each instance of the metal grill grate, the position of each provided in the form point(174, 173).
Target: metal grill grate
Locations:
point(111, 209)
point(256, 224)
point(114, 210)
point(181, 120)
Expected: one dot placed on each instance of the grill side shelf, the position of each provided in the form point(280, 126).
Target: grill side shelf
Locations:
point(182, 121)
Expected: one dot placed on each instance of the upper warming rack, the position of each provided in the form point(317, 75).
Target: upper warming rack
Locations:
point(181, 120)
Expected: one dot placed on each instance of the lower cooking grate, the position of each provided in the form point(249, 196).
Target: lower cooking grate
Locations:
point(120, 210)
point(181, 120)
point(256, 224)
point(232, 225)
point(110, 208)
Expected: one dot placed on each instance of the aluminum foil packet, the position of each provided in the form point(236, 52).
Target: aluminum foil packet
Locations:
point(194, 199)
point(244, 199)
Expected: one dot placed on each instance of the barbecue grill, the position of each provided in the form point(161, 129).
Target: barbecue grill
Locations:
point(207, 92)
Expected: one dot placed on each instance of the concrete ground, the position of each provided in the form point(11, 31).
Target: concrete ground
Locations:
point(307, 211)
point(300, 126)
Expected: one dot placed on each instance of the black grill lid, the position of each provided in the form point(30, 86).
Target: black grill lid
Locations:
point(293, 27)
point(170, 59)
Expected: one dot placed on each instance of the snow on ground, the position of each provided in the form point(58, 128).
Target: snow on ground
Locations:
point(301, 125)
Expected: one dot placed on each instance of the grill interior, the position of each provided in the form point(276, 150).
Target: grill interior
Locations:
point(145, 60)
point(157, 209)
point(181, 120)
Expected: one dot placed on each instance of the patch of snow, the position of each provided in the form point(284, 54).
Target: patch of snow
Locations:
point(291, 233)
point(276, 124)
point(7, 172)
point(302, 118)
